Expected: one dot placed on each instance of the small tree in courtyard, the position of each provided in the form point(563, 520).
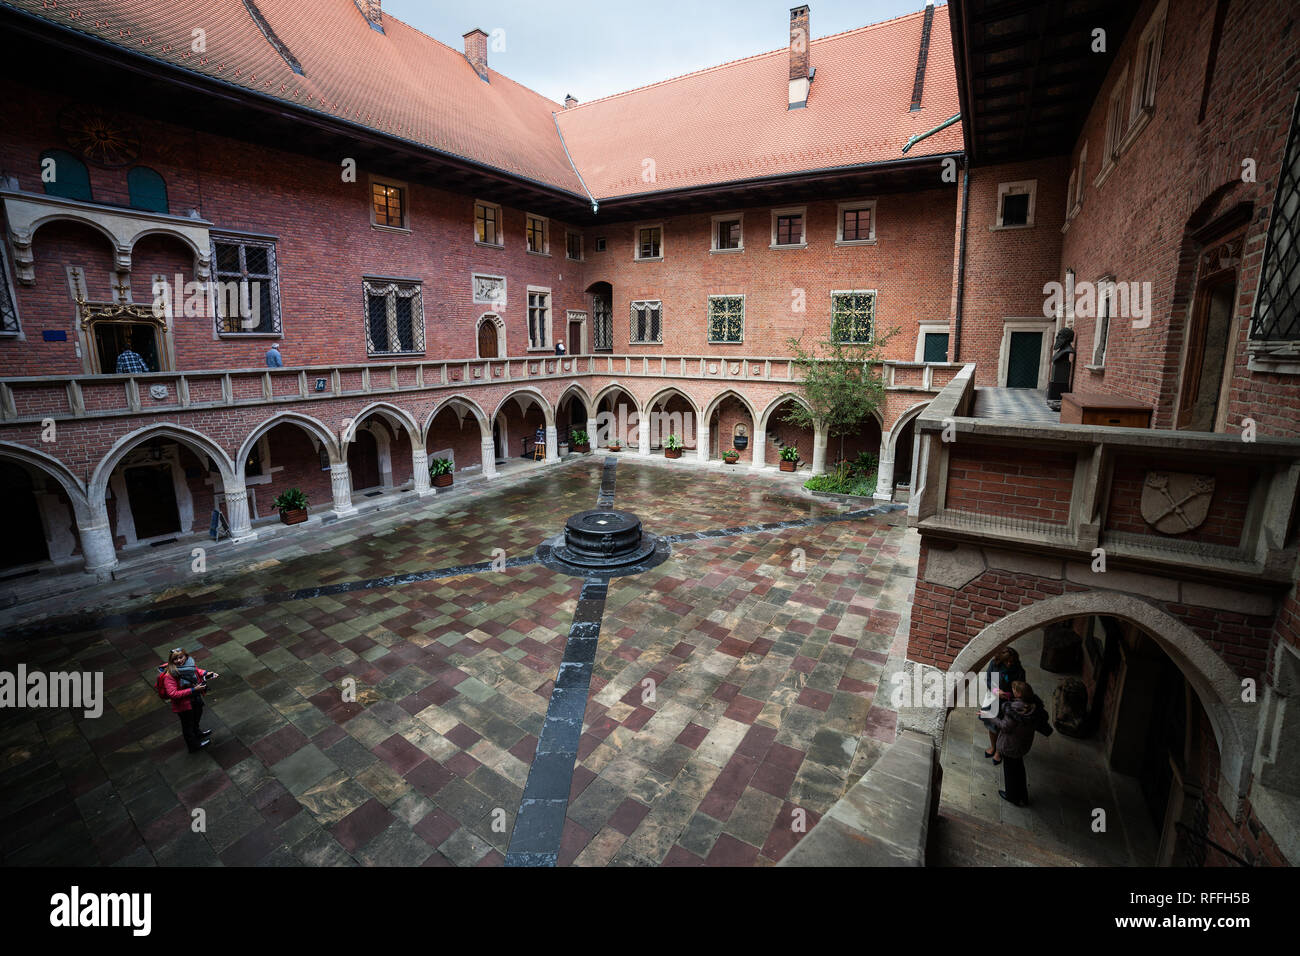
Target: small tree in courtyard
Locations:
point(841, 384)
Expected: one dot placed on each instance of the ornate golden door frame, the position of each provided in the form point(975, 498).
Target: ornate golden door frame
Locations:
point(93, 315)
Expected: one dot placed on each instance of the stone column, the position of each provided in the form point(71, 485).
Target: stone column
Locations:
point(97, 542)
point(702, 444)
point(241, 527)
point(643, 436)
point(341, 486)
point(759, 450)
point(420, 472)
point(819, 451)
point(885, 471)
point(489, 452)
point(552, 445)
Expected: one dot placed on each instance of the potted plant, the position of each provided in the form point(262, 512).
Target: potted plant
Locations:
point(731, 457)
point(672, 447)
point(292, 505)
point(581, 441)
point(440, 472)
point(789, 458)
point(615, 445)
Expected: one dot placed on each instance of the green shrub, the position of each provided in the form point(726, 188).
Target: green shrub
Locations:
point(292, 500)
point(579, 437)
point(844, 483)
point(673, 443)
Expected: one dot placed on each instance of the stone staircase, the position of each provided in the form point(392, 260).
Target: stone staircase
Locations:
point(961, 839)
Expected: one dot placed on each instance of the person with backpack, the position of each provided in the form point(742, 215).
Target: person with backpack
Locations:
point(1006, 669)
point(1020, 718)
point(182, 683)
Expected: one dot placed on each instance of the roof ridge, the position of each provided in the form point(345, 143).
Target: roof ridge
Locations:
point(743, 59)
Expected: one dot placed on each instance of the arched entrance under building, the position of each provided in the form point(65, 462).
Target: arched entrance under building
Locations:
point(25, 540)
point(617, 416)
point(781, 433)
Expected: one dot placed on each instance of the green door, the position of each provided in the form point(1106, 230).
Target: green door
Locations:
point(936, 347)
point(1022, 364)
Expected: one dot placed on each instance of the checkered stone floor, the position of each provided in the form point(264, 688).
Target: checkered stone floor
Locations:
point(763, 652)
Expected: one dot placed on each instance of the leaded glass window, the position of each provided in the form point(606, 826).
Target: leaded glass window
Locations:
point(394, 317)
point(1277, 303)
point(602, 325)
point(539, 315)
point(247, 293)
point(853, 316)
point(8, 310)
point(647, 322)
point(726, 318)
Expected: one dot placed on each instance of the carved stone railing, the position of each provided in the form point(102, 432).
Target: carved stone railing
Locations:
point(1194, 504)
point(62, 397)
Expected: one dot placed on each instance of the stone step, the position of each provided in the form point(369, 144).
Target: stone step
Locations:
point(961, 839)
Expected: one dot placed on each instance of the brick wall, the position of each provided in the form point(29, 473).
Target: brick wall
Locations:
point(1007, 482)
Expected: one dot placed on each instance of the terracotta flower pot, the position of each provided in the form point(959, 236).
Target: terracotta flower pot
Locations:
point(615, 448)
point(443, 481)
point(293, 516)
point(788, 465)
point(582, 449)
point(672, 453)
point(730, 461)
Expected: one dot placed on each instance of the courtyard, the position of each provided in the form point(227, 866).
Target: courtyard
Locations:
point(732, 700)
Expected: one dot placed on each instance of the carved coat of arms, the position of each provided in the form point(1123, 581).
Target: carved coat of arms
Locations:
point(1175, 503)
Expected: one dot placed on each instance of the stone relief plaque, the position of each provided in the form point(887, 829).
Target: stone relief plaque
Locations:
point(490, 290)
point(1174, 502)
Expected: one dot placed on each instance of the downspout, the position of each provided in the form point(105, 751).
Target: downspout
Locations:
point(595, 205)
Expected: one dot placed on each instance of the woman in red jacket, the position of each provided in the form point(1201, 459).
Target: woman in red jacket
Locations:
point(184, 683)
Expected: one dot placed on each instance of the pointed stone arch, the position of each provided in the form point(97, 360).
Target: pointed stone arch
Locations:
point(387, 410)
point(548, 412)
point(494, 319)
point(576, 390)
point(72, 485)
point(196, 441)
point(766, 418)
point(314, 427)
point(466, 405)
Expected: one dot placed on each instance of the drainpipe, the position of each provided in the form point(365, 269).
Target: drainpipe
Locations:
point(961, 266)
point(920, 136)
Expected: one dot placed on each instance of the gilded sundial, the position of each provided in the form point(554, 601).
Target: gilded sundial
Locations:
point(100, 138)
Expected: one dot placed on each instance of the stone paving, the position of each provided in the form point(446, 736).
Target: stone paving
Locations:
point(732, 699)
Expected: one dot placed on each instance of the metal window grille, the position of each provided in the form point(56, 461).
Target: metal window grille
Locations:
point(388, 204)
point(647, 322)
point(8, 308)
point(539, 309)
point(853, 316)
point(602, 326)
point(1277, 304)
point(394, 318)
point(726, 318)
point(246, 278)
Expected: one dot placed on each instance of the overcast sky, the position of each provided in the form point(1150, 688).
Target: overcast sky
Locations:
point(592, 48)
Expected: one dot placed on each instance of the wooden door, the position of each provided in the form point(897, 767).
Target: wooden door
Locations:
point(1023, 359)
point(575, 338)
point(1207, 359)
point(363, 461)
point(487, 340)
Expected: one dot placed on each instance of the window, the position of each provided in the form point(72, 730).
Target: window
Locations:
point(487, 224)
point(573, 244)
point(394, 317)
point(726, 318)
point(1105, 293)
point(853, 316)
point(647, 322)
point(1147, 65)
point(1116, 122)
point(1276, 316)
point(8, 308)
point(728, 233)
point(147, 190)
point(62, 174)
point(247, 296)
point(388, 205)
point(1016, 203)
point(787, 227)
point(600, 244)
point(539, 318)
point(1081, 178)
point(602, 324)
point(649, 242)
point(857, 222)
point(1069, 194)
point(538, 238)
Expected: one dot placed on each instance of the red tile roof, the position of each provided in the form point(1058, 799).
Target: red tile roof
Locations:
point(726, 123)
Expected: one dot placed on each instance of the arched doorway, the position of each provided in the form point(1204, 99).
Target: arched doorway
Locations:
point(618, 415)
point(491, 337)
point(732, 426)
point(672, 413)
point(25, 541)
point(781, 433)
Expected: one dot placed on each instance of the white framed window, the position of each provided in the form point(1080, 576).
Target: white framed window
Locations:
point(726, 319)
point(1101, 328)
point(855, 223)
point(1116, 124)
point(539, 318)
point(932, 343)
point(394, 316)
point(789, 228)
point(488, 230)
point(1016, 204)
point(647, 326)
point(728, 232)
point(853, 316)
point(649, 243)
point(388, 204)
point(573, 245)
point(538, 233)
point(1147, 65)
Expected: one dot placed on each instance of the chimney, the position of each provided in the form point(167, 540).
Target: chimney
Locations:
point(569, 101)
point(476, 52)
point(373, 11)
point(800, 74)
point(919, 85)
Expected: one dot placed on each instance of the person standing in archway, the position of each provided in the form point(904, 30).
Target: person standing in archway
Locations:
point(1016, 727)
point(1004, 670)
